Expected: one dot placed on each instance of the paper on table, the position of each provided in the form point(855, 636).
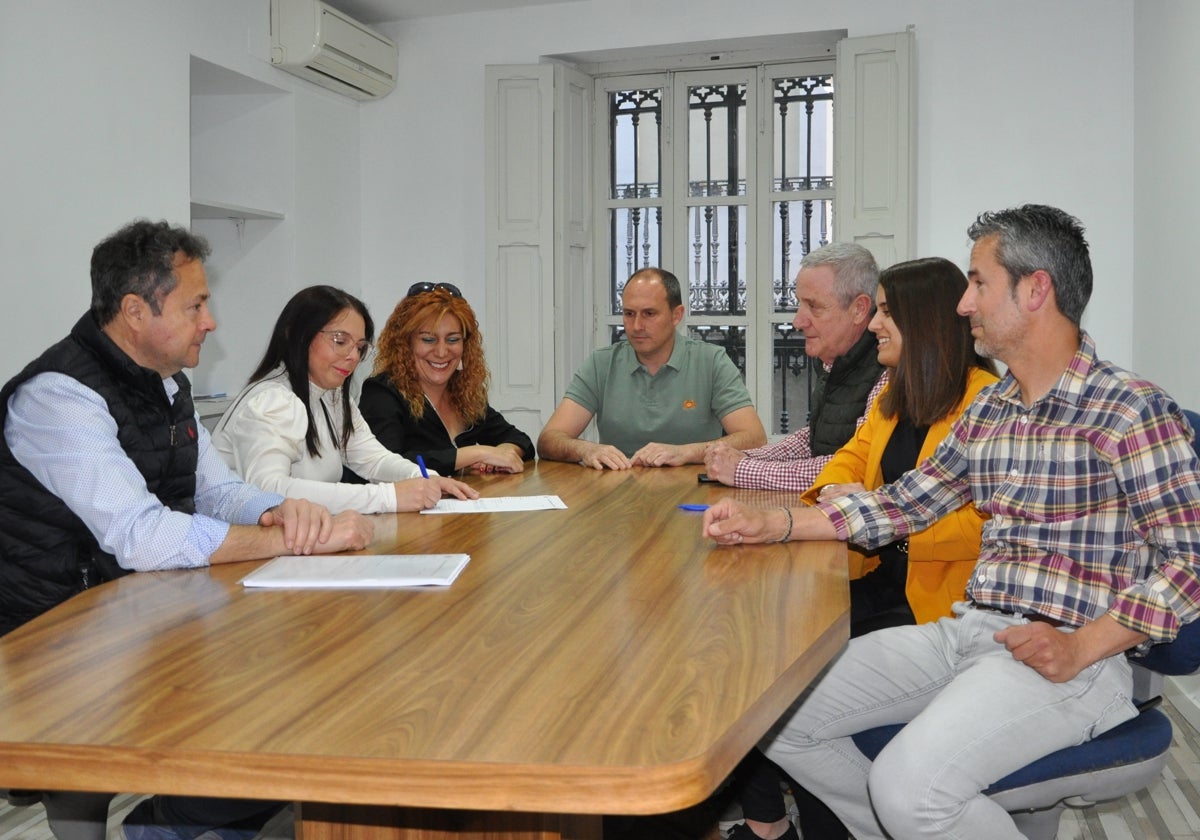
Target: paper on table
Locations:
point(497, 504)
point(367, 571)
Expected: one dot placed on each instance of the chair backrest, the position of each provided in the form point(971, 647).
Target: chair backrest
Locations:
point(1193, 417)
point(1182, 655)
point(1178, 657)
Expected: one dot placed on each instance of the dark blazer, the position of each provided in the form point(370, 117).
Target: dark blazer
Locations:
point(387, 413)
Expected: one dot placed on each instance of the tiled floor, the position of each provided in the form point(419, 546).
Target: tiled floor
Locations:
point(1170, 810)
point(30, 823)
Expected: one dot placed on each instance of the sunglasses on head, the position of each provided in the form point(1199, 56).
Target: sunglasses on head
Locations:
point(422, 288)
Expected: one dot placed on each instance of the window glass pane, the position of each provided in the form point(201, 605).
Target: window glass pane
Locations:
point(731, 337)
point(798, 227)
point(717, 140)
point(803, 137)
point(716, 243)
point(735, 254)
point(636, 240)
point(792, 381)
point(636, 122)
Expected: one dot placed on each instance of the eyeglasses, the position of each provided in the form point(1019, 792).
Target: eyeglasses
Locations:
point(422, 288)
point(342, 340)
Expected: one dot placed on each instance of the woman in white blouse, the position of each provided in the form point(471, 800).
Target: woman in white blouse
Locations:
point(293, 427)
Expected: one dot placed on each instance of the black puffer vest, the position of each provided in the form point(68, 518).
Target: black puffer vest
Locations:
point(47, 553)
point(841, 396)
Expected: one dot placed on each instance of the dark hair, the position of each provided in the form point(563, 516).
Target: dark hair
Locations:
point(140, 259)
point(669, 281)
point(1035, 237)
point(937, 351)
point(467, 387)
point(301, 320)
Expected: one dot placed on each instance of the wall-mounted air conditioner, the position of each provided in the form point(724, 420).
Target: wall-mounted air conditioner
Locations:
point(317, 42)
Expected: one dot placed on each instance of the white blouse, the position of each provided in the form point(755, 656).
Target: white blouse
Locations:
point(261, 437)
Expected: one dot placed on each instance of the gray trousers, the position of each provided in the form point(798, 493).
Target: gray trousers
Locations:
point(974, 714)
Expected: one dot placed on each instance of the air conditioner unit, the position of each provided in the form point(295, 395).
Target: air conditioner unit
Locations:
point(317, 42)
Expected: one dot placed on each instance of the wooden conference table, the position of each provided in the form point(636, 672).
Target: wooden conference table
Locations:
point(599, 659)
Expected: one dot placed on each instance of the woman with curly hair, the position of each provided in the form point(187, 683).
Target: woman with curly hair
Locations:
point(428, 395)
point(294, 428)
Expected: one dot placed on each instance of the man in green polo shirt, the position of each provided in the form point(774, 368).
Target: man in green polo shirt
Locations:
point(659, 398)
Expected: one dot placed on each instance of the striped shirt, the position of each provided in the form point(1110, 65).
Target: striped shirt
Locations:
point(1093, 493)
point(789, 463)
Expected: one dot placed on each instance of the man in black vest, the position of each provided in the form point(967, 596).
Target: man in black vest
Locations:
point(835, 290)
point(105, 470)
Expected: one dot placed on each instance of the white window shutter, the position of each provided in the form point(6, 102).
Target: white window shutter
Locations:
point(573, 179)
point(519, 242)
point(874, 146)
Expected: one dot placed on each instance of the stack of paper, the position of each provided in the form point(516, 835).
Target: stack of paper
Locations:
point(497, 504)
point(367, 571)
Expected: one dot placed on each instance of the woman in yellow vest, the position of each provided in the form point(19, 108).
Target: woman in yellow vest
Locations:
point(934, 374)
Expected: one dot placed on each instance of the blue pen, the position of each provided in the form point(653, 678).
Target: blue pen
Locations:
point(693, 507)
point(421, 464)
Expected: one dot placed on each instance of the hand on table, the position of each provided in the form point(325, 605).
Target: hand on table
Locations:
point(660, 455)
point(605, 457)
point(305, 524)
point(733, 523)
point(351, 531)
point(720, 462)
point(504, 458)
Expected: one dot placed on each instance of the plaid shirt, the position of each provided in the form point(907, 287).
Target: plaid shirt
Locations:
point(789, 464)
point(1093, 493)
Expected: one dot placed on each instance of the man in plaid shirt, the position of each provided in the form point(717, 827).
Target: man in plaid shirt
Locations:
point(1093, 490)
point(835, 293)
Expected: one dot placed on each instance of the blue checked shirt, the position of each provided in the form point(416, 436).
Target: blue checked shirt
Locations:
point(1093, 493)
point(61, 431)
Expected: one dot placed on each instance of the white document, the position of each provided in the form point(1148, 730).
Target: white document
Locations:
point(498, 504)
point(367, 571)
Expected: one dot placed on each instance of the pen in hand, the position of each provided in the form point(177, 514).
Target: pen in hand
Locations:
point(421, 464)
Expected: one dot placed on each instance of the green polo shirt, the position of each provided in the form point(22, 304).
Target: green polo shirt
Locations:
point(682, 403)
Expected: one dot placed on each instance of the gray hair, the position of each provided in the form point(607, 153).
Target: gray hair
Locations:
point(854, 269)
point(1034, 237)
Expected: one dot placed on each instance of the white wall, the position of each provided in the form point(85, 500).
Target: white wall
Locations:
point(94, 131)
point(1167, 172)
point(1018, 101)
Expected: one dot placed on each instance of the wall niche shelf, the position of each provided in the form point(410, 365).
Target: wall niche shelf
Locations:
point(224, 210)
point(242, 184)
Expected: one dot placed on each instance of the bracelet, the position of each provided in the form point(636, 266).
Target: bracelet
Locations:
point(787, 531)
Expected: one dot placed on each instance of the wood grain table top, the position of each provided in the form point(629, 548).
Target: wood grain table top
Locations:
point(600, 659)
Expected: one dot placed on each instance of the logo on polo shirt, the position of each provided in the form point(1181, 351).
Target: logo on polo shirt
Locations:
point(688, 405)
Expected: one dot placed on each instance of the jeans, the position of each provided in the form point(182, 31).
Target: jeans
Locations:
point(974, 714)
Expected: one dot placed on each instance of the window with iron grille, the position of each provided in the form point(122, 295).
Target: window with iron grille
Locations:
point(724, 177)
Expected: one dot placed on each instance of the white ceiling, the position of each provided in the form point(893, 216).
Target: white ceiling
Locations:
point(378, 11)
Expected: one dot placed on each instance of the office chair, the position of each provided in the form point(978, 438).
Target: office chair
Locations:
point(1123, 760)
